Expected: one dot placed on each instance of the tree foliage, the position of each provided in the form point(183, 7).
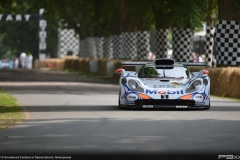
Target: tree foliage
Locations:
point(98, 18)
point(187, 13)
point(211, 10)
point(17, 37)
point(161, 12)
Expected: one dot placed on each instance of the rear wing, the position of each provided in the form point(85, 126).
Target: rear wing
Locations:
point(192, 63)
point(135, 63)
point(163, 62)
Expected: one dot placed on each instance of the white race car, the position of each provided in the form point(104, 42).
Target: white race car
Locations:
point(164, 84)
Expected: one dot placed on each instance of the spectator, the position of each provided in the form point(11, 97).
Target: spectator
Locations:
point(194, 55)
point(26, 61)
point(151, 56)
point(199, 58)
point(30, 59)
point(16, 63)
point(23, 60)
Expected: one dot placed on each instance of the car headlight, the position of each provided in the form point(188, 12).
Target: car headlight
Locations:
point(133, 85)
point(194, 86)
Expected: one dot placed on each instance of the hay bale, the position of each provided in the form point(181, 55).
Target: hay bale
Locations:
point(80, 63)
point(67, 64)
point(102, 66)
point(75, 64)
point(233, 89)
point(36, 63)
point(214, 87)
point(85, 64)
point(224, 81)
point(60, 64)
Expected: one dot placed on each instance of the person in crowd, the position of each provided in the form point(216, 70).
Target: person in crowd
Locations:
point(214, 61)
point(30, 59)
point(194, 55)
point(23, 59)
point(199, 58)
point(16, 63)
point(26, 61)
point(151, 56)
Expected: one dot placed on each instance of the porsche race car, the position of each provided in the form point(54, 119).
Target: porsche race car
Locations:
point(164, 84)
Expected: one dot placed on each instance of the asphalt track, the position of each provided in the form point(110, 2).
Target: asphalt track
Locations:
point(69, 114)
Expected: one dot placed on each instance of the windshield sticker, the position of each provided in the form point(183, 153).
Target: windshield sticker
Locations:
point(175, 83)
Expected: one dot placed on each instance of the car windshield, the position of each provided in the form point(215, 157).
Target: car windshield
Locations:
point(152, 72)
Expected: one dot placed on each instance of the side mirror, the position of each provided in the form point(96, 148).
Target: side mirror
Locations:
point(205, 71)
point(202, 72)
point(120, 71)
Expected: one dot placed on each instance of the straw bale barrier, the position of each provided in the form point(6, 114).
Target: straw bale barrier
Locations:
point(80, 63)
point(36, 63)
point(68, 61)
point(224, 81)
point(75, 64)
point(59, 64)
point(49, 62)
point(85, 65)
point(102, 66)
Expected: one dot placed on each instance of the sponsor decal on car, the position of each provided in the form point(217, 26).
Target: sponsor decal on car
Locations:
point(160, 92)
point(163, 86)
point(181, 106)
point(198, 98)
point(175, 83)
point(162, 78)
point(147, 106)
point(131, 97)
point(175, 92)
point(151, 92)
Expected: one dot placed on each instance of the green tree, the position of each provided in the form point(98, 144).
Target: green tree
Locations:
point(210, 11)
point(187, 13)
point(161, 11)
point(17, 37)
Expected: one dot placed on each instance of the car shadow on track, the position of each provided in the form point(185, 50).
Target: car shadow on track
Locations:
point(93, 108)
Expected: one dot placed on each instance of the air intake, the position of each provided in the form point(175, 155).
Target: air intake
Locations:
point(164, 61)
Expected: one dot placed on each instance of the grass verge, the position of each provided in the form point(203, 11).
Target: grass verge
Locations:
point(10, 110)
